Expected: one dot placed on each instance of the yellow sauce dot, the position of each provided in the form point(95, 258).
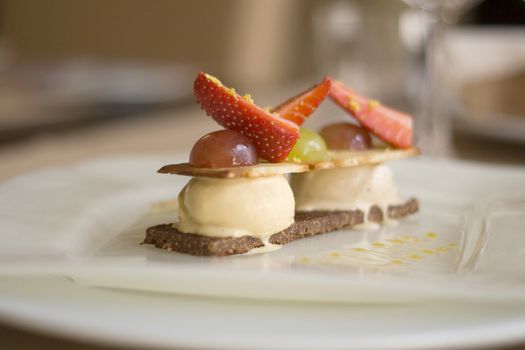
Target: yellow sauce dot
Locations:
point(378, 244)
point(415, 257)
point(431, 235)
point(304, 259)
point(396, 261)
point(441, 249)
point(359, 249)
point(396, 241)
point(452, 245)
point(427, 251)
point(335, 255)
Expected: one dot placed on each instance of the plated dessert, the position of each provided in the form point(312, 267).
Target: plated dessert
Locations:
point(265, 181)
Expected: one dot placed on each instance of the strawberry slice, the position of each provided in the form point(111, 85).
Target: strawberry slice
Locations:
point(299, 107)
point(272, 136)
point(391, 126)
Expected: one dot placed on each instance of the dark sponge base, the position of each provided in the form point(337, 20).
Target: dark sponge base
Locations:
point(307, 223)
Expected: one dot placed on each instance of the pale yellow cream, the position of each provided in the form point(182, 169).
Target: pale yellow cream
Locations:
point(257, 207)
point(348, 188)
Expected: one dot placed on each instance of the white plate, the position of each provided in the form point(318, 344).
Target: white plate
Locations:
point(59, 307)
point(404, 291)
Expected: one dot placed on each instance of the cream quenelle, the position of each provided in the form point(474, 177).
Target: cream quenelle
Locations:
point(350, 188)
point(257, 207)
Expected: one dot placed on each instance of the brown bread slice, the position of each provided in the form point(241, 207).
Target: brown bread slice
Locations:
point(306, 224)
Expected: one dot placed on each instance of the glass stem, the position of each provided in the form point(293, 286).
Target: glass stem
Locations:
point(434, 130)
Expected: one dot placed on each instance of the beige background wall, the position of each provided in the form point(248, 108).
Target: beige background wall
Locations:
point(252, 41)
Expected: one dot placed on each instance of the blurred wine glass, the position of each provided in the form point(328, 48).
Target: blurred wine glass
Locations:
point(433, 127)
point(358, 43)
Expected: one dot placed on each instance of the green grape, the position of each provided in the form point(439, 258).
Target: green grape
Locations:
point(310, 148)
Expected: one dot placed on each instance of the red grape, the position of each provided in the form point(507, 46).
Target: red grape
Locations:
point(344, 136)
point(223, 149)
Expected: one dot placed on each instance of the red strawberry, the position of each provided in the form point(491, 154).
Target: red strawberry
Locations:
point(299, 107)
point(391, 126)
point(272, 136)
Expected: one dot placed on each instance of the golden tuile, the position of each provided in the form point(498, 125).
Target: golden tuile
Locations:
point(338, 159)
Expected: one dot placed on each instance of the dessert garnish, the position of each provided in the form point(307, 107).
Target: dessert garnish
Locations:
point(238, 199)
point(391, 126)
point(346, 136)
point(310, 148)
point(223, 149)
point(299, 107)
point(272, 136)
